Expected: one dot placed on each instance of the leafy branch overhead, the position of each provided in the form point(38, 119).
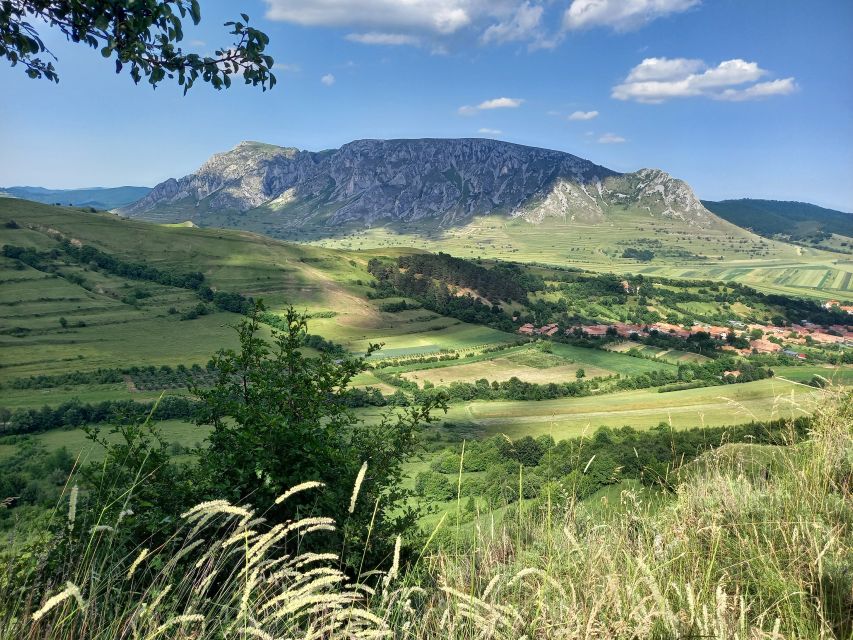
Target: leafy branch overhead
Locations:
point(142, 35)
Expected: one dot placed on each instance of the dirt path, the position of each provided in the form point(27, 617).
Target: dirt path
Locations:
point(131, 386)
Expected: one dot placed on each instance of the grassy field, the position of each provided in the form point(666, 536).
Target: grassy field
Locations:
point(570, 417)
point(77, 443)
point(720, 252)
point(672, 356)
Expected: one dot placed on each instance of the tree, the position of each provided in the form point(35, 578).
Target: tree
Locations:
point(63, 322)
point(281, 418)
point(580, 373)
point(143, 35)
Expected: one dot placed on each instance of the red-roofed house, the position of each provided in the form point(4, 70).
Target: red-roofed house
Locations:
point(764, 346)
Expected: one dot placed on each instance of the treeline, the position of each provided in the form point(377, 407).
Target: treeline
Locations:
point(151, 374)
point(74, 413)
point(579, 467)
point(436, 295)
point(502, 282)
point(693, 374)
point(73, 378)
point(90, 256)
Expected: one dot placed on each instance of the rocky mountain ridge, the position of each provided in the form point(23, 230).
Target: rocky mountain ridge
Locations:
point(446, 181)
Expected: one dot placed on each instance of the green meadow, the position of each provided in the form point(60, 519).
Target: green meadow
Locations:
point(721, 251)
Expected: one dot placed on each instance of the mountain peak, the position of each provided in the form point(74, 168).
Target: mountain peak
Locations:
point(447, 180)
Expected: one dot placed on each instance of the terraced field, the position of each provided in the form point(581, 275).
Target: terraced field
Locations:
point(108, 326)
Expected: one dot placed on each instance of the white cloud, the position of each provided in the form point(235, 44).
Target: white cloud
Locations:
point(501, 103)
point(621, 15)
point(489, 132)
point(611, 138)
point(380, 38)
point(780, 87)
point(438, 16)
point(583, 115)
point(439, 24)
point(198, 43)
point(525, 24)
point(494, 103)
point(664, 69)
point(328, 79)
point(657, 80)
point(426, 21)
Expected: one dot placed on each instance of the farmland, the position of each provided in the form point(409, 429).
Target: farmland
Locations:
point(75, 333)
point(721, 252)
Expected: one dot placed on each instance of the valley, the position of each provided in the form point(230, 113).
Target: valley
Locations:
point(76, 332)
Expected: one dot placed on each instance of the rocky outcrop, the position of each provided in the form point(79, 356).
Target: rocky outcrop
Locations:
point(445, 180)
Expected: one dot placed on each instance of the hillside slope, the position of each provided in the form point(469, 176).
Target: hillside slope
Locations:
point(796, 221)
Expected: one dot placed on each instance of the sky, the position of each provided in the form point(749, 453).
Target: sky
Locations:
point(740, 98)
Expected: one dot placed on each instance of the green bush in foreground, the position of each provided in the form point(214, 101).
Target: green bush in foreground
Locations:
point(745, 550)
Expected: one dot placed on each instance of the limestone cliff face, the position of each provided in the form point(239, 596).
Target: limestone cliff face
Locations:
point(445, 180)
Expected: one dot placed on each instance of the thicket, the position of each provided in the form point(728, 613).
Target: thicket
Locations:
point(578, 467)
point(74, 413)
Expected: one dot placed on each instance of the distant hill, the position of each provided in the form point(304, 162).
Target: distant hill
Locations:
point(797, 221)
point(97, 197)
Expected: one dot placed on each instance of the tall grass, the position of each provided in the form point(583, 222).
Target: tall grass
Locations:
point(755, 543)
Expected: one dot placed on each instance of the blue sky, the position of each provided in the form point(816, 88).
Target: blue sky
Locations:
point(740, 98)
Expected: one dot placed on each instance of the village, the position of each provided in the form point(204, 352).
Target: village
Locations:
point(762, 338)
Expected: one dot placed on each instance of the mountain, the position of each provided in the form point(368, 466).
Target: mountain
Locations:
point(442, 182)
point(798, 221)
point(97, 197)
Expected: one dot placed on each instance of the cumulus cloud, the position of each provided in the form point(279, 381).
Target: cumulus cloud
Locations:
point(657, 80)
point(583, 115)
point(418, 21)
point(377, 37)
point(439, 16)
point(437, 24)
point(494, 103)
point(328, 79)
point(611, 138)
point(489, 132)
point(621, 15)
point(284, 66)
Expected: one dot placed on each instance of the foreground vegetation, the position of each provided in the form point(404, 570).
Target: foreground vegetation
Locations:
point(755, 543)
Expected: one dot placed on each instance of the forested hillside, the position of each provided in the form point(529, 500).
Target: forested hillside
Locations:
point(795, 220)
